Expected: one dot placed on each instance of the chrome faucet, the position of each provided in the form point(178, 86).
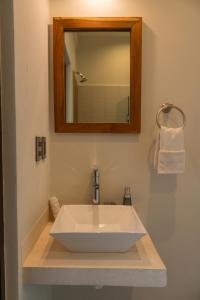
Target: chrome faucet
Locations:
point(96, 198)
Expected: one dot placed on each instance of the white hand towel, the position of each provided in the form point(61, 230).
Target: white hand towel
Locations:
point(170, 153)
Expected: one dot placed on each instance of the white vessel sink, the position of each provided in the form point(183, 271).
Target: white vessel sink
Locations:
point(97, 228)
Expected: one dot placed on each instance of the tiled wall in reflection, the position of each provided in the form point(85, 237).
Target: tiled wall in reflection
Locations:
point(103, 103)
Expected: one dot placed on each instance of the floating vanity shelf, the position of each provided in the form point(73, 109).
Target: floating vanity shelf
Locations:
point(49, 263)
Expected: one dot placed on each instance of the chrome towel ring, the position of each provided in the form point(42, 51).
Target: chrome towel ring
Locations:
point(166, 108)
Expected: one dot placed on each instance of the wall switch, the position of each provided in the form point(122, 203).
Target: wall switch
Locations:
point(38, 148)
point(44, 152)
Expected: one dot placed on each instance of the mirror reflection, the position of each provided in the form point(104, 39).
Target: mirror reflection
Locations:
point(97, 76)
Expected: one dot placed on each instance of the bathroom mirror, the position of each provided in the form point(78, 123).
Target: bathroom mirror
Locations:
point(97, 74)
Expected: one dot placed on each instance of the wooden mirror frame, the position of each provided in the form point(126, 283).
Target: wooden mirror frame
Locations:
point(134, 25)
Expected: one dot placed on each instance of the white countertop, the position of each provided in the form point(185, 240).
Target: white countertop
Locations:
point(51, 264)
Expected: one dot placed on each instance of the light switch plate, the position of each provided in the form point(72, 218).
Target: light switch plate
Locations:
point(38, 148)
point(44, 152)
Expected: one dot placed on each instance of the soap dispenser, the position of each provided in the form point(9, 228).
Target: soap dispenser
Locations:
point(127, 196)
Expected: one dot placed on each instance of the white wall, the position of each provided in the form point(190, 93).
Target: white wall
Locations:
point(31, 20)
point(32, 106)
point(168, 205)
point(103, 103)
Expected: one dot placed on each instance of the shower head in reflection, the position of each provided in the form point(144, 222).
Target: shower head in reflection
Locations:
point(83, 78)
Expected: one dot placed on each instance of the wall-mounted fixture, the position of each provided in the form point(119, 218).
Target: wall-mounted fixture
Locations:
point(83, 78)
point(44, 151)
point(108, 50)
point(166, 108)
point(40, 148)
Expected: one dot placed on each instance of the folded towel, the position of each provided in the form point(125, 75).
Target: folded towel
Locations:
point(54, 205)
point(170, 153)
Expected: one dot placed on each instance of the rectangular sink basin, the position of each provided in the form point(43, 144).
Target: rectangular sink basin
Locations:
point(97, 228)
